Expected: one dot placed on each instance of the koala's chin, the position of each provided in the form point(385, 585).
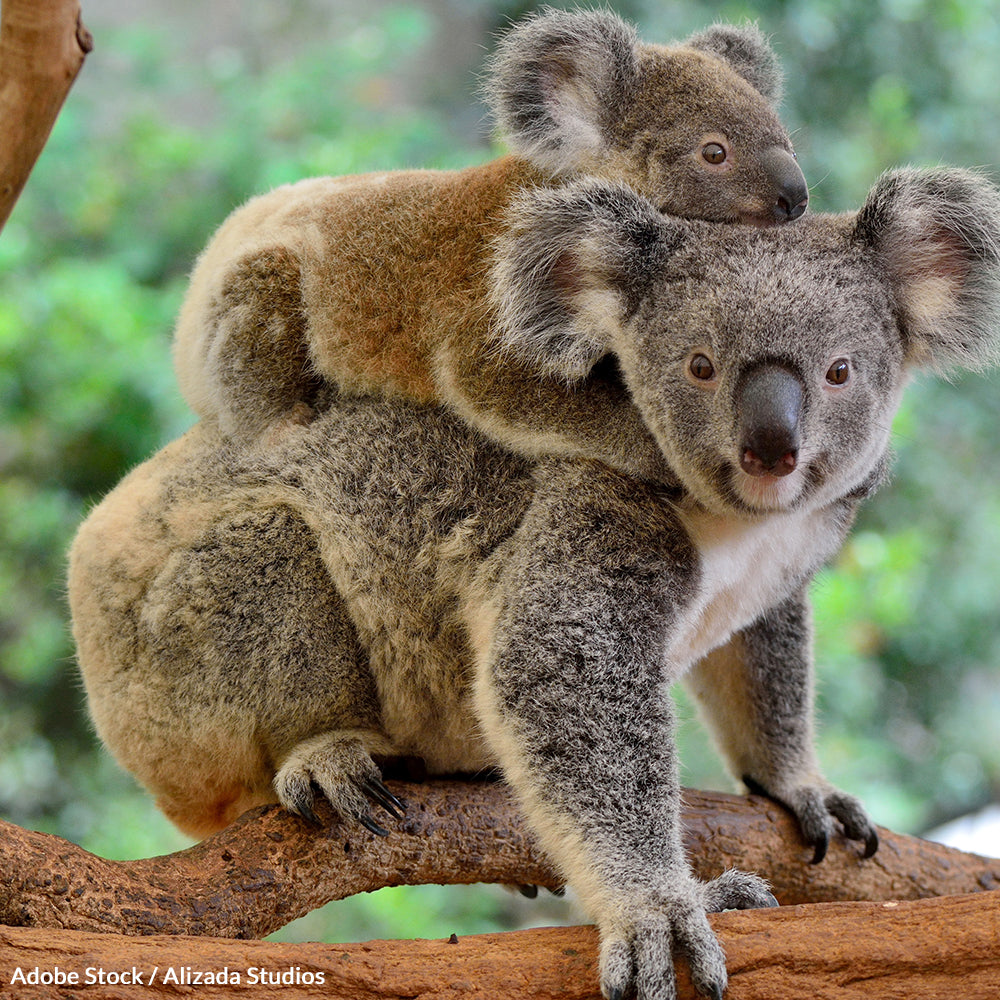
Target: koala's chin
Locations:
point(768, 493)
point(727, 489)
point(814, 483)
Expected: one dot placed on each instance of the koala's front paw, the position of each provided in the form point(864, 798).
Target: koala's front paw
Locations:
point(339, 768)
point(638, 959)
point(816, 807)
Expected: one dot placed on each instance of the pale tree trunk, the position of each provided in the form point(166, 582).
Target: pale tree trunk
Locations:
point(42, 47)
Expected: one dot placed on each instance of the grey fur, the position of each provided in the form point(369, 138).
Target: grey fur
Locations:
point(748, 51)
point(253, 619)
point(588, 57)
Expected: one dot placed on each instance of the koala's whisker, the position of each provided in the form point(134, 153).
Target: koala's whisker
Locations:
point(815, 184)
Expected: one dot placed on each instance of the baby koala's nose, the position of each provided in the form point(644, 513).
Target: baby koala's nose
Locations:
point(788, 209)
point(791, 192)
point(768, 409)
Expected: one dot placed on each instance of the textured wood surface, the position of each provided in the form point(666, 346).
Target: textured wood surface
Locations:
point(270, 867)
point(918, 950)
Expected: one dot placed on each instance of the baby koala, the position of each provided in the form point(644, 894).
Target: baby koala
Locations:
point(260, 623)
point(379, 283)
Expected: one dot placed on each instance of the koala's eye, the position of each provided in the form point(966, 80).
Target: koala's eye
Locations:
point(701, 368)
point(713, 153)
point(840, 372)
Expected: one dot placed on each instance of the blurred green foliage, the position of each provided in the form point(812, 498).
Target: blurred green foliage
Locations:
point(135, 178)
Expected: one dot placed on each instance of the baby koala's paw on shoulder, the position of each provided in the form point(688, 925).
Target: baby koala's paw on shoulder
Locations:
point(338, 767)
point(637, 954)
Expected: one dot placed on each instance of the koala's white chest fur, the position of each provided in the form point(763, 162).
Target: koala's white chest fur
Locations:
point(746, 566)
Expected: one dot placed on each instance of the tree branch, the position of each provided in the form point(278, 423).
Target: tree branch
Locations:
point(270, 867)
point(921, 950)
point(42, 47)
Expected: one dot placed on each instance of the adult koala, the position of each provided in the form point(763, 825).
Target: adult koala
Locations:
point(258, 622)
point(378, 283)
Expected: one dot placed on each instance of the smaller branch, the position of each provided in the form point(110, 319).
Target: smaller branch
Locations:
point(270, 867)
point(43, 44)
point(921, 950)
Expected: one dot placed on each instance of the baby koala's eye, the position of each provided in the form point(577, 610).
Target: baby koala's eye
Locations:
point(840, 372)
point(701, 368)
point(713, 153)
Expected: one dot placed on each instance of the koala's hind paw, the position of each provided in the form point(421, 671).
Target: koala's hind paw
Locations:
point(816, 807)
point(341, 770)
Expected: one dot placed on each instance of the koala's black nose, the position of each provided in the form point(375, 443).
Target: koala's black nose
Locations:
point(787, 209)
point(768, 411)
point(791, 192)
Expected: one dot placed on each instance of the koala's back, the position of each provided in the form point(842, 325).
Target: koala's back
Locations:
point(229, 607)
point(197, 611)
point(370, 276)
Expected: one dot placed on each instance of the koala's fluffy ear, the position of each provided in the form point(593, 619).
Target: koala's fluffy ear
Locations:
point(551, 80)
point(937, 237)
point(571, 268)
point(747, 51)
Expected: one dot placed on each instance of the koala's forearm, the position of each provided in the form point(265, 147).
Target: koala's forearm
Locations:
point(572, 687)
point(541, 416)
point(756, 694)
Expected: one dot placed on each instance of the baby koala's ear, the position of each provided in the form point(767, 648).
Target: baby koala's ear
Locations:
point(936, 237)
point(571, 267)
point(552, 82)
point(747, 51)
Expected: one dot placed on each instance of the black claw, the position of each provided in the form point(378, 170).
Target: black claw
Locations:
point(871, 844)
point(771, 901)
point(380, 795)
point(305, 810)
point(616, 994)
point(369, 824)
point(821, 844)
point(528, 891)
point(715, 991)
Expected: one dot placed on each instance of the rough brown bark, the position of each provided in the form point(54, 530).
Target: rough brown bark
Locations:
point(42, 46)
point(269, 867)
point(922, 950)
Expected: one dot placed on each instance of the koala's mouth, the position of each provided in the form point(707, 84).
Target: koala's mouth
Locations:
point(769, 493)
point(765, 493)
